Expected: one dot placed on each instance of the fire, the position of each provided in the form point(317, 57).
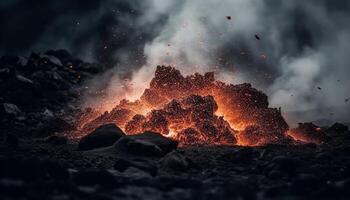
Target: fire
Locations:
point(197, 109)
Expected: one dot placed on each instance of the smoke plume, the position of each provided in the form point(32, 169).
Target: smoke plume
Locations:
point(295, 51)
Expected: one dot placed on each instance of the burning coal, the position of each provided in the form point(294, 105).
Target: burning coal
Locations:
point(196, 109)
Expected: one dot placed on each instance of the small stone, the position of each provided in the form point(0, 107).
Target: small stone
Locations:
point(4, 72)
point(91, 177)
point(54, 170)
point(146, 144)
point(139, 147)
point(103, 136)
point(285, 164)
point(56, 140)
point(22, 61)
point(54, 60)
point(23, 79)
point(275, 174)
point(142, 164)
point(47, 114)
point(11, 109)
point(175, 161)
point(12, 141)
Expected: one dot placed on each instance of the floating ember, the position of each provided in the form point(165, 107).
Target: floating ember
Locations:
point(198, 109)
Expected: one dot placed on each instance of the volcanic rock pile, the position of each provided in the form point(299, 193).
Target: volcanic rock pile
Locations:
point(186, 109)
point(34, 90)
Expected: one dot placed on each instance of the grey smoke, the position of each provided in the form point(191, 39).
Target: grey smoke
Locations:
point(304, 44)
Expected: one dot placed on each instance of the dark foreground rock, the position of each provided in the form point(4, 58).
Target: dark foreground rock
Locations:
point(146, 144)
point(175, 161)
point(93, 177)
point(38, 84)
point(103, 136)
point(223, 172)
point(56, 140)
point(146, 165)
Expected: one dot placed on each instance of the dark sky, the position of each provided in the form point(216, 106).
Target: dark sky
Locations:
point(94, 30)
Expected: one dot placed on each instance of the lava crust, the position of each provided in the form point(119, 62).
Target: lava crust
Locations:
point(198, 109)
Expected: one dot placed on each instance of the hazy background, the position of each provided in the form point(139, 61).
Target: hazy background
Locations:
point(301, 60)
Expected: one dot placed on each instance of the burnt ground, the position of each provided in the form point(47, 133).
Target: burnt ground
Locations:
point(38, 162)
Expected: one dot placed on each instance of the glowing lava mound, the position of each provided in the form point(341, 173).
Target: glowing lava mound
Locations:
point(197, 109)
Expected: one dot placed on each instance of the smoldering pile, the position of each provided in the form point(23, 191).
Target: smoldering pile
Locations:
point(198, 109)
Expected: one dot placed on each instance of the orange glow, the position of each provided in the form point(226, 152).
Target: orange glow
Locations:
point(302, 137)
point(195, 109)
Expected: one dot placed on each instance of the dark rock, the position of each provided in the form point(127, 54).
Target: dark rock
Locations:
point(338, 128)
point(11, 187)
point(21, 90)
point(12, 112)
point(47, 114)
point(13, 168)
point(175, 161)
point(275, 174)
point(24, 80)
point(8, 60)
point(241, 155)
point(170, 182)
point(146, 144)
point(22, 62)
point(52, 59)
point(275, 191)
point(54, 125)
point(138, 147)
point(12, 141)
point(12, 109)
point(142, 164)
point(56, 140)
point(305, 183)
point(307, 179)
point(91, 177)
point(61, 54)
point(91, 68)
point(323, 156)
point(5, 73)
point(103, 136)
point(32, 169)
point(285, 164)
point(54, 170)
point(51, 81)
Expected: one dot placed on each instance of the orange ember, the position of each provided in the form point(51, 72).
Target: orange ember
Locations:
point(307, 133)
point(197, 109)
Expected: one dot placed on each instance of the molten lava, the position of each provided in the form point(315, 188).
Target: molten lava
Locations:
point(198, 109)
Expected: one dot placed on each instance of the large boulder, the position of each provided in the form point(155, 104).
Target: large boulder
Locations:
point(175, 161)
point(146, 144)
point(103, 136)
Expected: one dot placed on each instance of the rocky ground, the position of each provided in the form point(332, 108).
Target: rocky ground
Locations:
point(37, 162)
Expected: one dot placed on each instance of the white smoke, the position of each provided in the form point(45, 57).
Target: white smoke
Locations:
point(293, 89)
point(302, 52)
